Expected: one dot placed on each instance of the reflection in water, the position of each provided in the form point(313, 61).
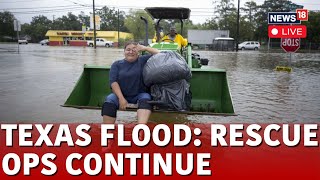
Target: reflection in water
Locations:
point(38, 80)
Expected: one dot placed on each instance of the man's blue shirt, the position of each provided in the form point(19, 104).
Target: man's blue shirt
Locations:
point(129, 75)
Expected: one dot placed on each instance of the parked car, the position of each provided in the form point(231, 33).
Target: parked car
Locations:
point(44, 42)
point(255, 45)
point(23, 41)
point(100, 42)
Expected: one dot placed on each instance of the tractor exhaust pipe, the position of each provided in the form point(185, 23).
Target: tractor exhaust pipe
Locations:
point(146, 22)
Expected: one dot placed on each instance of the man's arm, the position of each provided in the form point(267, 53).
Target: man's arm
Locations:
point(149, 49)
point(113, 77)
point(117, 90)
point(183, 41)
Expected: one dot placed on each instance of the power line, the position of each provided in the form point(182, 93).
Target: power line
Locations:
point(77, 3)
point(40, 7)
point(19, 1)
point(76, 7)
point(50, 10)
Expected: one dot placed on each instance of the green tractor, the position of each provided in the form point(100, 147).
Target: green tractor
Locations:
point(209, 87)
point(160, 13)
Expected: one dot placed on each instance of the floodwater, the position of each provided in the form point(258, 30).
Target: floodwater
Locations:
point(35, 82)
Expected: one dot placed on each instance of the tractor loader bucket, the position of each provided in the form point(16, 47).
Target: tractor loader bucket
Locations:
point(209, 88)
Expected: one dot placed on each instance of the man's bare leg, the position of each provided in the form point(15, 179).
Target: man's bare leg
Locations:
point(109, 120)
point(143, 116)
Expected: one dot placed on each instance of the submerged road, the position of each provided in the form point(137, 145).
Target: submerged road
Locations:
point(38, 79)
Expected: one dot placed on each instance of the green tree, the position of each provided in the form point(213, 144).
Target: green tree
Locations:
point(248, 22)
point(226, 16)
point(250, 9)
point(69, 22)
point(84, 19)
point(187, 24)
point(313, 27)
point(6, 24)
point(247, 30)
point(209, 24)
point(109, 19)
point(136, 26)
point(37, 28)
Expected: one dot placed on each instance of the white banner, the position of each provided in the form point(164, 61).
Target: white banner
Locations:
point(97, 19)
point(16, 25)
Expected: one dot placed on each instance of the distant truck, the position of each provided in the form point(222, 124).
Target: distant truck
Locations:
point(23, 41)
point(100, 42)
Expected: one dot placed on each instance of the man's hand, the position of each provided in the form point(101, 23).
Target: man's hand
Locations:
point(149, 49)
point(123, 104)
point(141, 48)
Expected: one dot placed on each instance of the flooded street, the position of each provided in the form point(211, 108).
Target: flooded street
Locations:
point(37, 81)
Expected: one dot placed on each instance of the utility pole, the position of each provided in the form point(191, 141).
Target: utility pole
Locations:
point(118, 29)
point(17, 27)
point(94, 27)
point(53, 25)
point(238, 22)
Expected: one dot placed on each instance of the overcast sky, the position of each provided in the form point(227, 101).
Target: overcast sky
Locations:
point(201, 10)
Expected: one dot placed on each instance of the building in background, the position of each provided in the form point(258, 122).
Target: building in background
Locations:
point(204, 38)
point(79, 38)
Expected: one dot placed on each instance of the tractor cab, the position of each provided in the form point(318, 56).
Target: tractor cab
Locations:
point(173, 13)
point(170, 13)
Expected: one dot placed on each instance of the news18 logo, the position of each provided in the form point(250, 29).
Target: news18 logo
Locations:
point(283, 18)
point(284, 24)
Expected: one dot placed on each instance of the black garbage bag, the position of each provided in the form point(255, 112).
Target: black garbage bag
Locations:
point(165, 67)
point(174, 96)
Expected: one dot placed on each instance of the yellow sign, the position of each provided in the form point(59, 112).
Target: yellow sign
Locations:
point(77, 33)
point(283, 68)
point(62, 33)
